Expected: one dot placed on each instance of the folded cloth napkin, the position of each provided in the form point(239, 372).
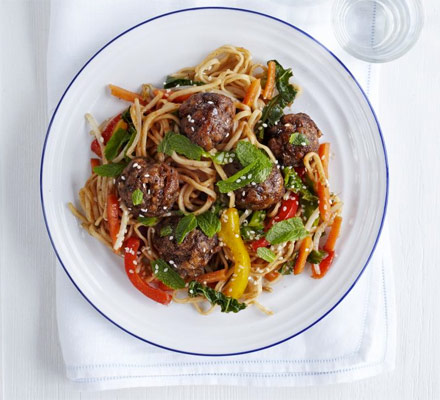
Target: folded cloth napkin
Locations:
point(355, 341)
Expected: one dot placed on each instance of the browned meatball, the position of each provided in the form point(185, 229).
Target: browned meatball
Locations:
point(258, 196)
point(158, 182)
point(191, 256)
point(279, 136)
point(207, 118)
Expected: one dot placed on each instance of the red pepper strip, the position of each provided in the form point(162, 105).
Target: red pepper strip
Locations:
point(287, 210)
point(94, 162)
point(324, 266)
point(106, 135)
point(301, 171)
point(131, 247)
point(113, 216)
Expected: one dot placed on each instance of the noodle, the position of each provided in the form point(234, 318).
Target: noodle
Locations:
point(229, 71)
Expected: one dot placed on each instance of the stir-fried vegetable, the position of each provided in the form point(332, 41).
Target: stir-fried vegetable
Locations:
point(333, 235)
point(113, 216)
point(214, 276)
point(230, 235)
point(131, 248)
point(126, 95)
point(270, 82)
point(324, 266)
point(304, 251)
point(252, 92)
point(226, 303)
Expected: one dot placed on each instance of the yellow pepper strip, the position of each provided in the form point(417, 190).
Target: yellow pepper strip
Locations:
point(230, 235)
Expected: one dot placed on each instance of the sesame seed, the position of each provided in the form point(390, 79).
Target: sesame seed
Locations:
point(236, 235)
point(171, 238)
point(135, 262)
point(243, 193)
point(210, 102)
point(131, 271)
point(264, 125)
point(284, 208)
point(249, 176)
point(122, 177)
point(192, 129)
point(135, 165)
point(165, 270)
point(147, 175)
point(164, 207)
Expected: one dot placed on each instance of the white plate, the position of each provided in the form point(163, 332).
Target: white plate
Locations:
point(331, 96)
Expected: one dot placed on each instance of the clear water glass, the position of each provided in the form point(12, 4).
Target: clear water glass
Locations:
point(377, 30)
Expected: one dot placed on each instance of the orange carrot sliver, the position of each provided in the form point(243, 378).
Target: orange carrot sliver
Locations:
point(272, 275)
point(126, 95)
point(214, 276)
point(270, 83)
point(304, 251)
point(251, 93)
point(324, 201)
point(333, 235)
point(324, 155)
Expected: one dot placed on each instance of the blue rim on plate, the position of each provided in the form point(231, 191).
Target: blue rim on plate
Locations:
point(244, 11)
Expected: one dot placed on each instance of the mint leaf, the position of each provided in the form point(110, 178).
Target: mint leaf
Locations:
point(110, 169)
point(181, 145)
point(286, 231)
point(148, 221)
point(136, 197)
point(166, 230)
point(298, 139)
point(316, 256)
point(173, 81)
point(221, 157)
point(185, 226)
point(167, 275)
point(293, 182)
point(266, 254)
point(209, 223)
point(227, 304)
point(257, 168)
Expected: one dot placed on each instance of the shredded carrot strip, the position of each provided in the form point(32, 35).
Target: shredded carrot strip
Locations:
point(251, 93)
point(270, 83)
point(304, 251)
point(126, 95)
point(324, 155)
point(324, 201)
point(272, 275)
point(214, 276)
point(333, 235)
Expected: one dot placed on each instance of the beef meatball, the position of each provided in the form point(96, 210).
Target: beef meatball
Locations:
point(207, 118)
point(158, 182)
point(279, 135)
point(192, 255)
point(258, 196)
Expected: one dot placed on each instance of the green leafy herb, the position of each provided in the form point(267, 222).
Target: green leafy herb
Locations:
point(227, 304)
point(298, 139)
point(316, 256)
point(185, 226)
point(173, 81)
point(266, 254)
point(117, 140)
point(257, 167)
point(287, 268)
point(249, 233)
point(181, 145)
point(166, 230)
point(136, 197)
point(293, 182)
point(257, 219)
point(209, 223)
point(167, 275)
point(126, 117)
point(221, 157)
point(287, 230)
point(148, 221)
point(273, 110)
point(110, 169)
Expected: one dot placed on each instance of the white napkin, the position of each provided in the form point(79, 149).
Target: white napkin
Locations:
point(355, 341)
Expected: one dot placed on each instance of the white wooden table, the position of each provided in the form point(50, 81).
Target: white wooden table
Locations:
point(31, 364)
